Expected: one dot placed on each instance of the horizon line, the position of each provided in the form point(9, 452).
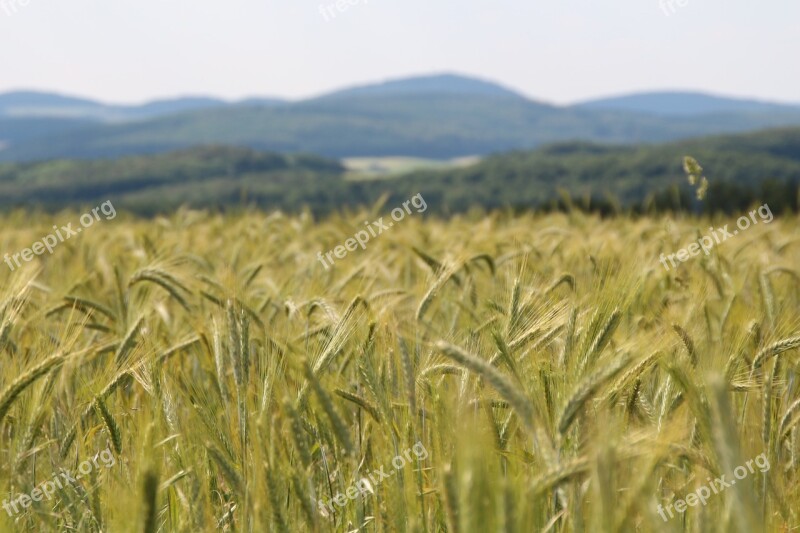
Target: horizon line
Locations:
point(363, 84)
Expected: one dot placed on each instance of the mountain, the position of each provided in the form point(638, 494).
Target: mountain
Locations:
point(14, 131)
point(159, 108)
point(437, 84)
point(41, 105)
point(260, 101)
point(27, 103)
point(683, 104)
point(437, 117)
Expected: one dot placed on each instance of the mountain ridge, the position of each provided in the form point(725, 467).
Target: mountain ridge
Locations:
point(43, 104)
point(437, 116)
point(442, 83)
point(682, 103)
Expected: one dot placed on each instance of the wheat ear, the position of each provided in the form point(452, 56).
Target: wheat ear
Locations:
point(586, 389)
point(774, 349)
point(19, 385)
point(515, 396)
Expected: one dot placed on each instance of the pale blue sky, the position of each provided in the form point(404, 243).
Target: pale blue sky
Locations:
point(559, 51)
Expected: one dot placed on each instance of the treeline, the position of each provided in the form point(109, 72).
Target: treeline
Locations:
point(742, 170)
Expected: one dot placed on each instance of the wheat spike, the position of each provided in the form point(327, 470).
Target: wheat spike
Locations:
point(274, 493)
point(784, 426)
point(110, 423)
point(128, 342)
point(634, 373)
point(567, 278)
point(513, 307)
point(87, 306)
point(559, 474)
point(18, 386)
point(408, 374)
point(766, 416)
point(340, 335)
point(443, 368)
point(516, 397)
point(687, 341)
point(298, 433)
point(235, 345)
point(226, 467)
point(305, 502)
point(443, 277)
point(163, 279)
point(774, 349)
point(339, 427)
point(767, 296)
point(586, 389)
point(569, 339)
point(451, 500)
point(600, 340)
point(361, 402)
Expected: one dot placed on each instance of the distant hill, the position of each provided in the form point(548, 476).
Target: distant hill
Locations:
point(438, 117)
point(683, 104)
point(742, 169)
point(205, 176)
point(32, 104)
point(437, 84)
point(15, 131)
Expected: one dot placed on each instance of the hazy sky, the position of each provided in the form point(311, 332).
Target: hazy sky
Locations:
point(559, 51)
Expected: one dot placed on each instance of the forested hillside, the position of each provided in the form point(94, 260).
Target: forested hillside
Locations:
point(741, 169)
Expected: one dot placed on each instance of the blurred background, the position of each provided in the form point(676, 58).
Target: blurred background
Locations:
point(328, 104)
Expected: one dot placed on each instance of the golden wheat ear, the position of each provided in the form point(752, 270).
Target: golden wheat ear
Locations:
point(586, 390)
point(18, 386)
point(339, 426)
point(513, 394)
point(776, 348)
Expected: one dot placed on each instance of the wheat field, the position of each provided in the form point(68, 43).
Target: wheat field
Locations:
point(557, 377)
